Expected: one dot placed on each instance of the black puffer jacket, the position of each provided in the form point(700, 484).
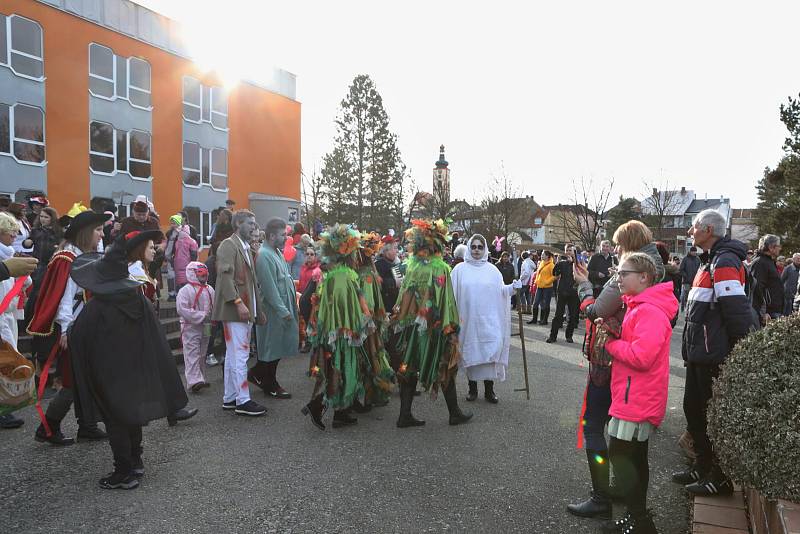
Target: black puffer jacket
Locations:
point(768, 290)
point(719, 313)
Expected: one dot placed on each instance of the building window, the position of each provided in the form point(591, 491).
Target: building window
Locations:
point(21, 46)
point(204, 166)
point(112, 151)
point(22, 133)
point(202, 103)
point(115, 77)
point(205, 228)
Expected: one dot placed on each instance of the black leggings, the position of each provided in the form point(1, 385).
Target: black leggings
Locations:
point(631, 472)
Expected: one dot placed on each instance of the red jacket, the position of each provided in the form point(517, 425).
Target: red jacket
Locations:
point(640, 357)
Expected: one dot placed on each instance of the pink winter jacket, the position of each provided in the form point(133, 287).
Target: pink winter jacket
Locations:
point(185, 248)
point(640, 358)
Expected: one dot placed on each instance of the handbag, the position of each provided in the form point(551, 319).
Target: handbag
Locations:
point(17, 385)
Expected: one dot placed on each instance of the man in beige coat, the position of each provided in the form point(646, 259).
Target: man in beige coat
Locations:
point(237, 305)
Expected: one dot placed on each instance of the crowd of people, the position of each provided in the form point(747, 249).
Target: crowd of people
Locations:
point(375, 313)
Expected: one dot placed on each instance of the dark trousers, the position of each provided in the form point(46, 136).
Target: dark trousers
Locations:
point(542, 298)
point(59, 407)
point(631, 472)
point(598, 402)
point(126, 445)
point(568, 301)
point(697, 393)
point(266, 372)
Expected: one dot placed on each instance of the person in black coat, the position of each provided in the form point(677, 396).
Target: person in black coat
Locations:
point(768, 291)
point(599, 266)
point(506, 268)
point(567, 296)
point(390, 284)
point(124, 372)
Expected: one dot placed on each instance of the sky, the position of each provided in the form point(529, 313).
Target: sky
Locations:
point(680, 93)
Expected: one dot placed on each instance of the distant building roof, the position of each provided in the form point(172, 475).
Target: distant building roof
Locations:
point(707, 204)
point(743, 213)
point(674, 203)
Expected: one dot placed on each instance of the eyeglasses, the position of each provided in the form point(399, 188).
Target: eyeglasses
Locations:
point(623, 272)
point(476, 247)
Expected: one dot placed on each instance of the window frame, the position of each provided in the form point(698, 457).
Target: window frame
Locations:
point(6, 61)
point(203, 103)
point(137, 160)
point(12, 138)
point(113, 81)
point(211, 173)
point(116, 133)
point(198, 170)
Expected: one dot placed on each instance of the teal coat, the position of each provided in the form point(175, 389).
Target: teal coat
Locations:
point(280, 337)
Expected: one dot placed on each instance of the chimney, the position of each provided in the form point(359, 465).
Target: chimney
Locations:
point(655, 192)
point(683, 190)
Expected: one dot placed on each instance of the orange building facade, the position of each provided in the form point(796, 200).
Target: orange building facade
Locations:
point(99, 104)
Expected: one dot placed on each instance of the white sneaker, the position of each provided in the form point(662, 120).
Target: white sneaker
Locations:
point(211, 360)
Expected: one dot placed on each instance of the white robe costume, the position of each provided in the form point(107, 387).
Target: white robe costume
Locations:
point(484, 309)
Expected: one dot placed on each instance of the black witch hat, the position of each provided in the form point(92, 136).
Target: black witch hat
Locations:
point(104, 274)
point(82, 220)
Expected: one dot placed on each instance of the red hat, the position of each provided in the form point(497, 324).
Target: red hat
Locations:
point(41, 199)
point(141, 207)
point(387, 239)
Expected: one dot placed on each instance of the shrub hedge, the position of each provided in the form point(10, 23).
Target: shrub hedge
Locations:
point(754, 416)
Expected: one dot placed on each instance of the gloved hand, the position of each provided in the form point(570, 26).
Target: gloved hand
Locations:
point(516, 284)
point(20, 266)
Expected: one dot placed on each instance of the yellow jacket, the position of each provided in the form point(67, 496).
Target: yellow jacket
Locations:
point(544, 274)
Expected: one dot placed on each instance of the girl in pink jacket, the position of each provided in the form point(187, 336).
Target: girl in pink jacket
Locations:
point(194, 303)
point(639, 384)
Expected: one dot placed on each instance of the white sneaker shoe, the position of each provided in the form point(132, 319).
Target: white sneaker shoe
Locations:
point(211, 360)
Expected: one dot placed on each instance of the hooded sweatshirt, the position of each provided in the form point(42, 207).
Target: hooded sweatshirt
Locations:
point(640, 377)
point(195, 300)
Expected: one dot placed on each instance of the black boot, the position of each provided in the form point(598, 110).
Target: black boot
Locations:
point(545, 316)
point(315, 409)
point(343, 418)
point(90, 433)
point(56, 437)
point(361, 408)
point(457, 417)
point(488, 392)
point(599, 503)
point(534, 316)
point(473, 390)
point(407, 390)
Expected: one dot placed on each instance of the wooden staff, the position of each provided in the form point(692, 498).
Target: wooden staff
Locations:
point(521, 334)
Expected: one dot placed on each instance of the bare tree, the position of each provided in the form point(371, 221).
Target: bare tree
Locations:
point(312, 198)
point(583, 220)
point(501, 205)
point(661, 203)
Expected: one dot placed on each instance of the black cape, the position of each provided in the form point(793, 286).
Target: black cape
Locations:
point(124, 371)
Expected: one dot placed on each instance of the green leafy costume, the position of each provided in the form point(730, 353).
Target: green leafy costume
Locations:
point(338, 329)
point(378, 373)
point(427, 321)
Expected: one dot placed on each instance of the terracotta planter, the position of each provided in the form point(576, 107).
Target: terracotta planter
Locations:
point(772, 516)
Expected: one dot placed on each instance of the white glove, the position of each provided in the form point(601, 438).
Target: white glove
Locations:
point(516, 284)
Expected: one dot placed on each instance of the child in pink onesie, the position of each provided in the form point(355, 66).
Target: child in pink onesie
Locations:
point(195, 302)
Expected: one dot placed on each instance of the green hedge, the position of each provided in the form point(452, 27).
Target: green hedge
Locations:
point(754, 417)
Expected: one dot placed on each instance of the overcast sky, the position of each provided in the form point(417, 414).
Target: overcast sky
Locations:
point(685, 92)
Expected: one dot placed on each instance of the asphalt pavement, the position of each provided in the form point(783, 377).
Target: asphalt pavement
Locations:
point(514, 468)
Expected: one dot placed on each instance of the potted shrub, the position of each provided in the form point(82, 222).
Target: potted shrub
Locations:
point(754, 416)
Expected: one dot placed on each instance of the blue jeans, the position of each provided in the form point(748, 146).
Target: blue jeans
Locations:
point(542, 298)
point(598, 402)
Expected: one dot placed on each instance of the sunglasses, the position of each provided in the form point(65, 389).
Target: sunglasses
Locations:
point(477, 247)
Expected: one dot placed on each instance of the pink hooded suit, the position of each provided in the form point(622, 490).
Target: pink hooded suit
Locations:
point(194, 303)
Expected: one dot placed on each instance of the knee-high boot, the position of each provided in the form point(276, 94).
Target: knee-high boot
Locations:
point(407, 390)
point(457, 417)
point(599, 503)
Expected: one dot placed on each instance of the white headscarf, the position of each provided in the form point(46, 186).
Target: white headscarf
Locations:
point(460, 251)
point(472, 261)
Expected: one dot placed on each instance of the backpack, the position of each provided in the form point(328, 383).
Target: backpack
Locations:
point(749, 288)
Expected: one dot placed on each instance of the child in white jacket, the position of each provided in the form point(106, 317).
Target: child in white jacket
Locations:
point(10, 314)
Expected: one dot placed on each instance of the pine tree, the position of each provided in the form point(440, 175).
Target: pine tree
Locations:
point(363, 174)
point(778, 210)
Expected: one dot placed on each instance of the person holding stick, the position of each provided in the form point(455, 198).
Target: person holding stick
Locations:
point(483, 301)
